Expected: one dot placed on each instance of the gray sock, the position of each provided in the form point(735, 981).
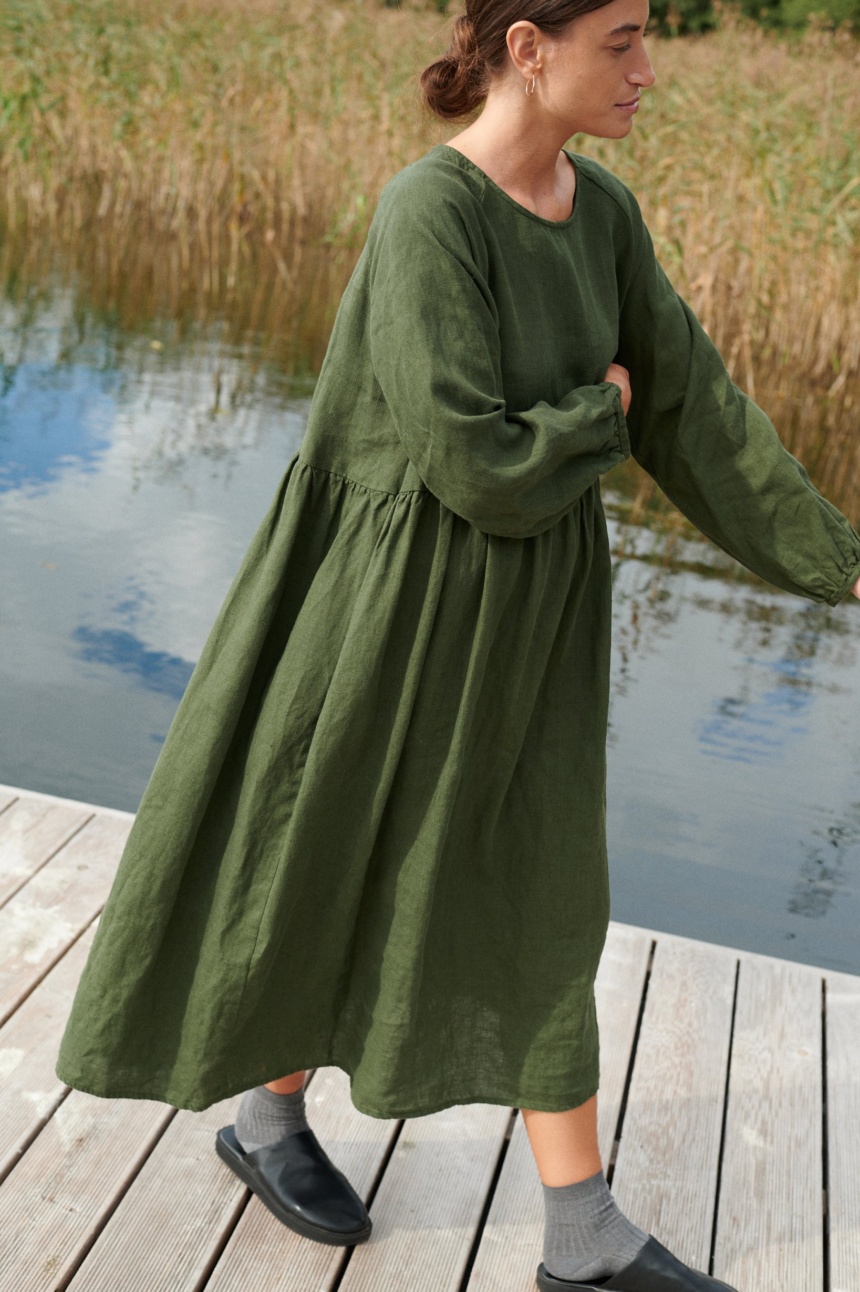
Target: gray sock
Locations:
point(264, 1117)
point(586, 1236)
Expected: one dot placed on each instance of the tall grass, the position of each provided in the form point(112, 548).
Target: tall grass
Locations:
point(205, 158)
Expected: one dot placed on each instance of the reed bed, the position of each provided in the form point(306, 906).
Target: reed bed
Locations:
point(206, 159)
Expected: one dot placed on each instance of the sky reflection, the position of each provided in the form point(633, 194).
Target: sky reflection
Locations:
point(734, 762)
point(755, 727)
point(154, 669)
point(52, 421)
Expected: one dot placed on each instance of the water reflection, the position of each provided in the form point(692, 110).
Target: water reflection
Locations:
point(734, 753)
point(133, 472)
point(154, 669)
point(51, 421)
point(121, 530)
point(826, 867)
point(753, 727)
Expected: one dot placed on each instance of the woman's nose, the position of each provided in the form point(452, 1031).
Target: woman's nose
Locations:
point(644, 74)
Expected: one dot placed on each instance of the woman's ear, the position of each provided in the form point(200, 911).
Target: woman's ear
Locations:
point(524, 46)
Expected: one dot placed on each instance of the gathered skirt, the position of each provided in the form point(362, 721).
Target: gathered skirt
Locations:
point(375, 835)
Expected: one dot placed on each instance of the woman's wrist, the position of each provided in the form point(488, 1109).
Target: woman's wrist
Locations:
point(856, 589)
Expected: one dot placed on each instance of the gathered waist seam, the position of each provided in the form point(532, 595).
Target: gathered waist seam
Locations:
point(359, 484)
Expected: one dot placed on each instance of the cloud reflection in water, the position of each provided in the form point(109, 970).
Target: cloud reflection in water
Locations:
point(755, 729)
point(154, 669)
point(52, 420)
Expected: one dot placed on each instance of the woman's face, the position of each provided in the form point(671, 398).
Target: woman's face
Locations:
point(591, 76)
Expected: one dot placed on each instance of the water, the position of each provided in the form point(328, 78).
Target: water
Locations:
point(734, 795)
point(133, 472)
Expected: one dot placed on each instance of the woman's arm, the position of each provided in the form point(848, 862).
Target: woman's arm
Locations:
point(716, 454)
point(435, 349)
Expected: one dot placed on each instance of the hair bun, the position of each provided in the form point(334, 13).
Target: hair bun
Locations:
point(464, 41)
point(453, 86)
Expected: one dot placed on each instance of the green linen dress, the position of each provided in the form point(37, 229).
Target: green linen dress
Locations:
point(375, 835)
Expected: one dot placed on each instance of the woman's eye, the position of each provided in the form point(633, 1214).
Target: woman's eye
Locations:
point(621, 49)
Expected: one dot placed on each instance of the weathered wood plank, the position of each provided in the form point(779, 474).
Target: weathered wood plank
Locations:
point(512, 1240)
point(30, 832)
point(51, 911)
point(70, 1177)
point(429, 1202)
point(173, 1218)
point(261, 1249)
point(770, 1227)
point(37, 796)
point(666, 1170)
point(843, 1118)
point(618, 992)
point(28, 1053)
point(7, 798)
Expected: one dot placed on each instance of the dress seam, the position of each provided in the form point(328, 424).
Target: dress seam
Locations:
point(359, 484)
point(606, 189)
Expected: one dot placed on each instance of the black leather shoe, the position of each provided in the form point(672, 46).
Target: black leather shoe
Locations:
point(653, 1269)
point(300, 1185)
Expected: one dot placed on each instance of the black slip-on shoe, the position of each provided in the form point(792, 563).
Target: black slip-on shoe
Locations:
point(653, 1269)
point(300, 1185)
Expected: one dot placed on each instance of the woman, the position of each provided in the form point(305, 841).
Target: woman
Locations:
point(375, 835)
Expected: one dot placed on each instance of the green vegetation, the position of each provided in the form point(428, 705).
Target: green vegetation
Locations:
point(685, 17)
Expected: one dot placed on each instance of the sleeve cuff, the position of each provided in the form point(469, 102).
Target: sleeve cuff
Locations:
point(621, 428)
point(843, 591)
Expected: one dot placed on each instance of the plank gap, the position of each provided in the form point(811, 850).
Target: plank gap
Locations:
point(340, 1272)
point(50, 857)
point(104, 1219)
point(227, 1233)
point(37, 982)
point(825, 1145)
point(722, 1148)
point(5, 807)
point(386, 1158)
point(488, 1202)
point(38, 1127)
point(843, 1117)
point(610, 1168)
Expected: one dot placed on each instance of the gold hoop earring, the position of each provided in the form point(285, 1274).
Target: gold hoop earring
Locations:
point(530, 86)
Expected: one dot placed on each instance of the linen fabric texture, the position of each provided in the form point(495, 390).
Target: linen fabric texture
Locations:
point(375, 835)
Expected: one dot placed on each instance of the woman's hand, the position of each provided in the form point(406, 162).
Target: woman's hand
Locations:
point(621, 378)
point(855, 589)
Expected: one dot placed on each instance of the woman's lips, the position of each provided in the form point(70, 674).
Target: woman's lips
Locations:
point(631, 106)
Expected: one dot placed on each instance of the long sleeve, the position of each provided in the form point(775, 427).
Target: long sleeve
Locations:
point(435, 350)
point(716, 454)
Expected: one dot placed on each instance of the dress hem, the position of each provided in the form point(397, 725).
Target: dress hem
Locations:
point(559, 1103)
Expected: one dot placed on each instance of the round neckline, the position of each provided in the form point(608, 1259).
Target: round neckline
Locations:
point(518, 206)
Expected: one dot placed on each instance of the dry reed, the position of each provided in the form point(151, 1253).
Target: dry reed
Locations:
point(205, 158)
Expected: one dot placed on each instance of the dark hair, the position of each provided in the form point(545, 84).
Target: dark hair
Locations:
point(455, 84)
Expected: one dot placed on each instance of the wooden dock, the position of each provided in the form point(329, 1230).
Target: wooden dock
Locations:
point(729, 1123)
